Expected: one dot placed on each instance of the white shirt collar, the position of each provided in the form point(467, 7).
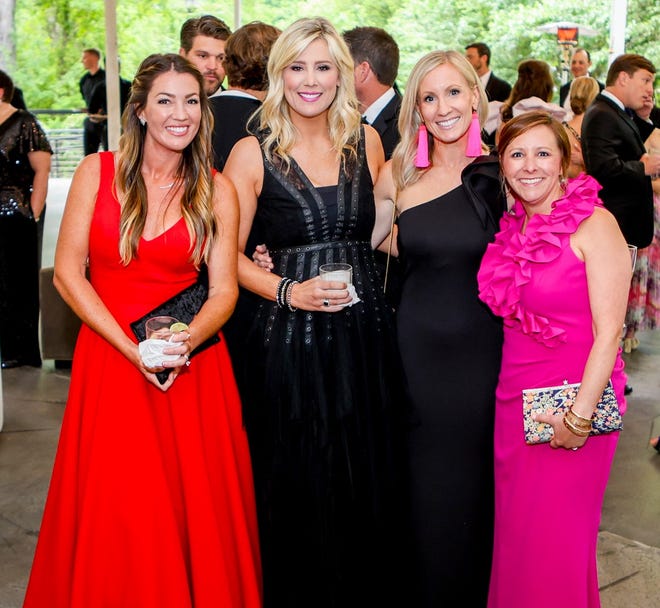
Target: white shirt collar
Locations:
point(234, 93)
point(377, 106)
point(614, 98)
point(485, 78)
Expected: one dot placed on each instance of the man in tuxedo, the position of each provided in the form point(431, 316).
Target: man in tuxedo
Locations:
point(580, 65)
point(478, 54)
point(376, 58)
point(613, 149)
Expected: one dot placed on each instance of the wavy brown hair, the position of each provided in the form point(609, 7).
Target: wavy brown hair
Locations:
point(193, 173)
point(534, 80)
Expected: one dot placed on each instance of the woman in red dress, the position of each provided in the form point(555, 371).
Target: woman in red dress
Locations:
point(151, 501)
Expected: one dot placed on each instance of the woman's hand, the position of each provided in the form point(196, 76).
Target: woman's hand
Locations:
point(321, 296)
point(261, 257)
point(563, 438)
point(182, 346)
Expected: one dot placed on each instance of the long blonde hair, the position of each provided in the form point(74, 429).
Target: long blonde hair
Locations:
point(403, 159)
point(193, 172)
point(343, 114)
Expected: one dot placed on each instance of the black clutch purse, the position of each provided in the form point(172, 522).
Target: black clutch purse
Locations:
point(182, 306)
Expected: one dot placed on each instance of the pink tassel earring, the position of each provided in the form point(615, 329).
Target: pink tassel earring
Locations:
point(422, 157)
point(474, 137)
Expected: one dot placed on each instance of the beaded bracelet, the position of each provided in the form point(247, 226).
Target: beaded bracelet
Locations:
point(280, 293)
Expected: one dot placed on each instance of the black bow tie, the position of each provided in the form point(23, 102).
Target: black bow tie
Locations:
point(364, 120)
point(630, 112)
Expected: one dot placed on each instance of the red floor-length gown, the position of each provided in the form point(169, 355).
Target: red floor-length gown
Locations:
point(151, 502)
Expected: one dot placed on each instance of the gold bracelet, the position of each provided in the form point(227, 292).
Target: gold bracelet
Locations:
point(578, 421)
point(575, 430)
point(581, 418)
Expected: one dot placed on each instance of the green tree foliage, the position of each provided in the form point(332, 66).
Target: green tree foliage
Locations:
point(50, 34)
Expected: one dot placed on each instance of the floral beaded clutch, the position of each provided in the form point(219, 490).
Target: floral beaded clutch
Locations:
point(557, 400)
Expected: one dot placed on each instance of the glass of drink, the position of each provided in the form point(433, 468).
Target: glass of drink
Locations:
point(159, 328)
point(342, 273)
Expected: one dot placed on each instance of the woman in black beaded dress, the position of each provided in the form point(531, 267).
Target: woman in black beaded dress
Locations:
point(24, 168)
point(321, 385)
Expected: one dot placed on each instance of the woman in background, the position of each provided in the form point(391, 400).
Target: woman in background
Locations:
point(24, 167)
point(644, 299)
point(583, 91)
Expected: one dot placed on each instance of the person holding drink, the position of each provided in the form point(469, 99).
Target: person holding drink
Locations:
point(321, 382)
point(151, 501)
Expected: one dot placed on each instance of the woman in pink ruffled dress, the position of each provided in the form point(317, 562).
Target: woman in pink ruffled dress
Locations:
point(558, 273)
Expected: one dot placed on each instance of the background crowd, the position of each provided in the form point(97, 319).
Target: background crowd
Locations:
point(384, 434)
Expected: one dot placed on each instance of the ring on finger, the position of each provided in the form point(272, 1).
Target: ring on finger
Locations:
point(326, 302)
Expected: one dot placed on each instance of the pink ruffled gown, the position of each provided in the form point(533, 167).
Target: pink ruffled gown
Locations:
point(547, 501)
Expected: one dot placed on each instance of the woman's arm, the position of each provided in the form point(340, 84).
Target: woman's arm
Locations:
point(222, 266)
point(40, 163)
point(245, 169)
point(71, 256)
point(374, 150)
point(600, 243)
point(385, 197)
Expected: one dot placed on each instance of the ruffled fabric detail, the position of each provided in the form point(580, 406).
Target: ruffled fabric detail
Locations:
point(507, 264)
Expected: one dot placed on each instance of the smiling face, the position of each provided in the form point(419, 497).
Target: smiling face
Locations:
point(580, 64)
point(172, 111)
point(445, 101)
point(532, 166)
point(311, 81)
point(207, 55)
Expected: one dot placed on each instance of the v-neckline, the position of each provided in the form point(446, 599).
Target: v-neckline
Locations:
point(163, 233)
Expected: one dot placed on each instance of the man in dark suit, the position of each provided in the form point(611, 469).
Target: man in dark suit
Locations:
point(478, 54)
point(376, 58)
point(580, 65)
point(613, 149)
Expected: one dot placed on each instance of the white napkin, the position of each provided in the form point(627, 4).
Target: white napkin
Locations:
point(151, 352)
point(353, 294)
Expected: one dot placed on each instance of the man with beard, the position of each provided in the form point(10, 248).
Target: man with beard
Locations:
point(203, 43)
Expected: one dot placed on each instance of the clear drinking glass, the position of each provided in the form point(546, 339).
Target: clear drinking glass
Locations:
point(158, 328)
point(342, 273)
